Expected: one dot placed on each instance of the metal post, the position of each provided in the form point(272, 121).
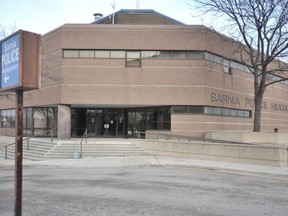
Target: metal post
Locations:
point(6, 156)
point(28, 144)
point(81, 150)
point(52, 135)
point(18, 154)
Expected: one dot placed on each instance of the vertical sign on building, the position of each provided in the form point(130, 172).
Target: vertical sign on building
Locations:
point(10, 62)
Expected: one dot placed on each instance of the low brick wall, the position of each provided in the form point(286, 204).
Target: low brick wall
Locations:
point(249, 137)
point(266, 155)
point(7, 131)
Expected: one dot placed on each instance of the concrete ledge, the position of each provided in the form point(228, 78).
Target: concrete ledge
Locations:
point(266, 155)
point(249, 137)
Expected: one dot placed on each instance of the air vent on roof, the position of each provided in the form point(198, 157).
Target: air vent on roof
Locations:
point(98, 16)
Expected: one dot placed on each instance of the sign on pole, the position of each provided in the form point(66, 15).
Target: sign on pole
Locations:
point(10, 62)
point(20, 71)
point(20, 61)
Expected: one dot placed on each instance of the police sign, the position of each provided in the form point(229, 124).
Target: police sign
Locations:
point(20, 61)
point(10, 62)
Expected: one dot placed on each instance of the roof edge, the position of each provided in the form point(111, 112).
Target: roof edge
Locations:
point(138, 11)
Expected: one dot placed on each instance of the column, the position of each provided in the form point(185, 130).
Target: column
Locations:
point(64, 121)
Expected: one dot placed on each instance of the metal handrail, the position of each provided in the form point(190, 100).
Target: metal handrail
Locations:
point(85, 135)
point(169, 136)
point(28, 139)
point(190, 138)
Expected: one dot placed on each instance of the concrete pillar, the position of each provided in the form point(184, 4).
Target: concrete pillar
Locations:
point(64, 121)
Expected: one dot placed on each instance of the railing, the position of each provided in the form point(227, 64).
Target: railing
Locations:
point(167, 136)
point(85, 135)
point(28, 140)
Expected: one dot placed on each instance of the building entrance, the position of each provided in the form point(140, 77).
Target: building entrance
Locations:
point(106, 123)
point(119, 122)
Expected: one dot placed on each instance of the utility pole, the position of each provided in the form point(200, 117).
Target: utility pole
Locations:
point(18, 154)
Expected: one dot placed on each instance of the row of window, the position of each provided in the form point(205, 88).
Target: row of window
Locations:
point(133, 58)
point(212, 111)
point(152, 54)
point(123, 54)
point(229, 65)
point(35, 120)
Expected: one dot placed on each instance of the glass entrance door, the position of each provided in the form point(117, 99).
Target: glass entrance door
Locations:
point(106, 123)
point(113, 121)
point(94, 123)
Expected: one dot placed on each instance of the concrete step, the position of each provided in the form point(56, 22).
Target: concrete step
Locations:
point(99, 148)
point(37, 149)
point(40, 149)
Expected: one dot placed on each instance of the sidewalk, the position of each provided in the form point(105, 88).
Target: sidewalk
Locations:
point(125, 161)
point(120, 161)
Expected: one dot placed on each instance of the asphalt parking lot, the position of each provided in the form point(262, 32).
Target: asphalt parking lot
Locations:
point(143, 190)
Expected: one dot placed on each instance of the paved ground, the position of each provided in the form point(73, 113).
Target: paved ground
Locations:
point(143, 190)
point(146, 185)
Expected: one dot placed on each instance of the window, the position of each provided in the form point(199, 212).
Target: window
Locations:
point(117, 54)
point(165, 55)
point(148, 119)
point(71, 53)
point(86, 54)
point(182, 55)
point(227, 112)
point(197, 55)
point(150, 54)
point(195, 109)
point(28, 121)
point(45, 118)
point(7, 118)
point(180, 109)
point(102, 54)
point(212, 111)
point(133, 59)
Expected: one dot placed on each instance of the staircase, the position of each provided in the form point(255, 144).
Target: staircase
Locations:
point(42, 149)
point(37, 149)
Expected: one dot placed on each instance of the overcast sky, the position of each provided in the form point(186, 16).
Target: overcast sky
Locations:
point(41, 16)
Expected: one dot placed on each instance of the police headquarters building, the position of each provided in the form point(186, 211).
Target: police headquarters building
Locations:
point(140, 70)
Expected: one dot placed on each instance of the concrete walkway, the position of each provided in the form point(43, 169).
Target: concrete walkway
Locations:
point(127, 161)
point(122, 161)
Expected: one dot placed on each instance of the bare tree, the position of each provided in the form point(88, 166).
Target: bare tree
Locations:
point(261, 30)
point(6, 30)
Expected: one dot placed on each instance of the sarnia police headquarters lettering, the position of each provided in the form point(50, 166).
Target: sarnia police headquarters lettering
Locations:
point(10, 55)
point(222, 98)
point(248, 102)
